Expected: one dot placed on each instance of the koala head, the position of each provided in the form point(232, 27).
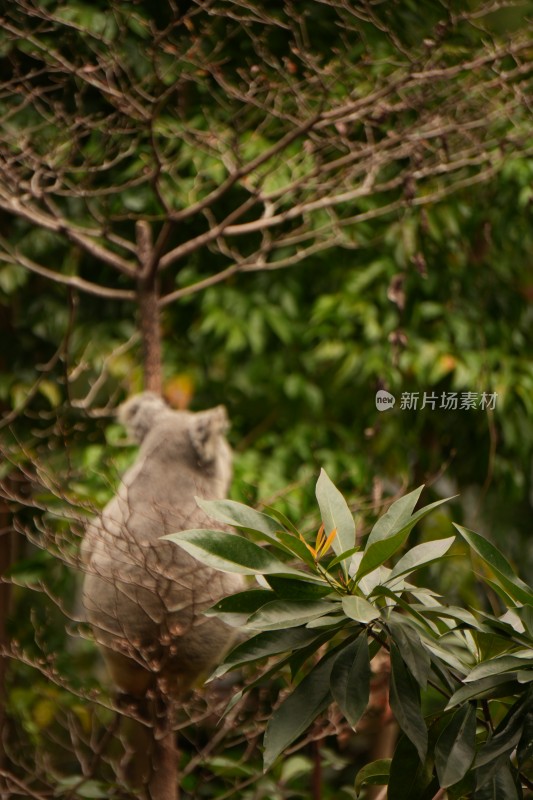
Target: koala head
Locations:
point(140, 413)
point(197, 438)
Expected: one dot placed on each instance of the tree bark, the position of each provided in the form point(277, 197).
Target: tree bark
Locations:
point(148, 303)
point(164, 783)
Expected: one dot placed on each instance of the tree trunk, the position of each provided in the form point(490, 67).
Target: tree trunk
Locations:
point(149, 315)
point(148, 297)
point(163, 784)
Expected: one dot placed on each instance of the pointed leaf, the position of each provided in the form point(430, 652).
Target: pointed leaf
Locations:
point(350, 679)
point(379, 550)
point(410, 646)
point(238, 514)
point(507, 734)
point(405, 703)
point(501, 786)
point(291, 589)
point(335, 514)
point(495, 666)
point(516, 588)
point(374, 774)
point(295, 545)
point(359, 609)
point(235, 609)
point(456, 746)
point(230, 552)
point(281, 518)
point(342, 557)
point(264, 645)
point(524, 752)
point(420, 556)
point(396, 517)
point(289, 614)
point(409, 778)
point(297, 712)
point(493, 686)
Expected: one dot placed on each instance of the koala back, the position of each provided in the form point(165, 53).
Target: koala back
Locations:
point(144, 597)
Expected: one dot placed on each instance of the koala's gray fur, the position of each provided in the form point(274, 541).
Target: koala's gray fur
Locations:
point(144, 596)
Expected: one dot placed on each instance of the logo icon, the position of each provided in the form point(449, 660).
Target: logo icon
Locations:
point(384, 400)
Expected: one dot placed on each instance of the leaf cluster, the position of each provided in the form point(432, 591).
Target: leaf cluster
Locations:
point(325, 613)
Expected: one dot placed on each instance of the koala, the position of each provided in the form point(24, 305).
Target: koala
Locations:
point(143, 596)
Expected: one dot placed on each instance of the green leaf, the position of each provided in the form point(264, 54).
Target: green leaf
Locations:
point(409, 778)
point(359, 609)
point(342, 557)
point(229, 552)
point(493, 686)
point(420, 556)
point(405, 703)
point(388, 539)
point(263, 645)
point(397, 516)
point(335, 514)
point(284, 521)
point(297, 712)
point(507, 734)
point(236, 608)
point(456, 746)
point(374, 774)
point(517, 589)
point(289, 614)
point(291, 589)
point(298, 548)
point(238, 514)
point(524, 752)
point(350, 679)
point(495, 666)
point(501, 786)
point(415, 655)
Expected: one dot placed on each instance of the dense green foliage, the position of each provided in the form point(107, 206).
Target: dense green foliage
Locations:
point(460, 684)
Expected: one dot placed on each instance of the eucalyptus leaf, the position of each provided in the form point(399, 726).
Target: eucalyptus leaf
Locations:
point(235, 609)
point(395, 518)
point(238, 514)
point(359, 609)
point(456, 746)
point(374, 774)
point(292, 589)
point(495, 666)
point(500, 685)
point(420, 556)
point(335, 514)
point(502, 784)
point(289, 614)
point(381, 546)
point(519, 591)
point(264, 645)
point(229, 552)
point(405, 703)
point(297, 712)
point(408, 641)
point(409, 778)
point(507, 734)
point(350, 679)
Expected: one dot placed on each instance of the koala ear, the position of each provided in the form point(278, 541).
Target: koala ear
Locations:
point(140, 413)
point(205, 431)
